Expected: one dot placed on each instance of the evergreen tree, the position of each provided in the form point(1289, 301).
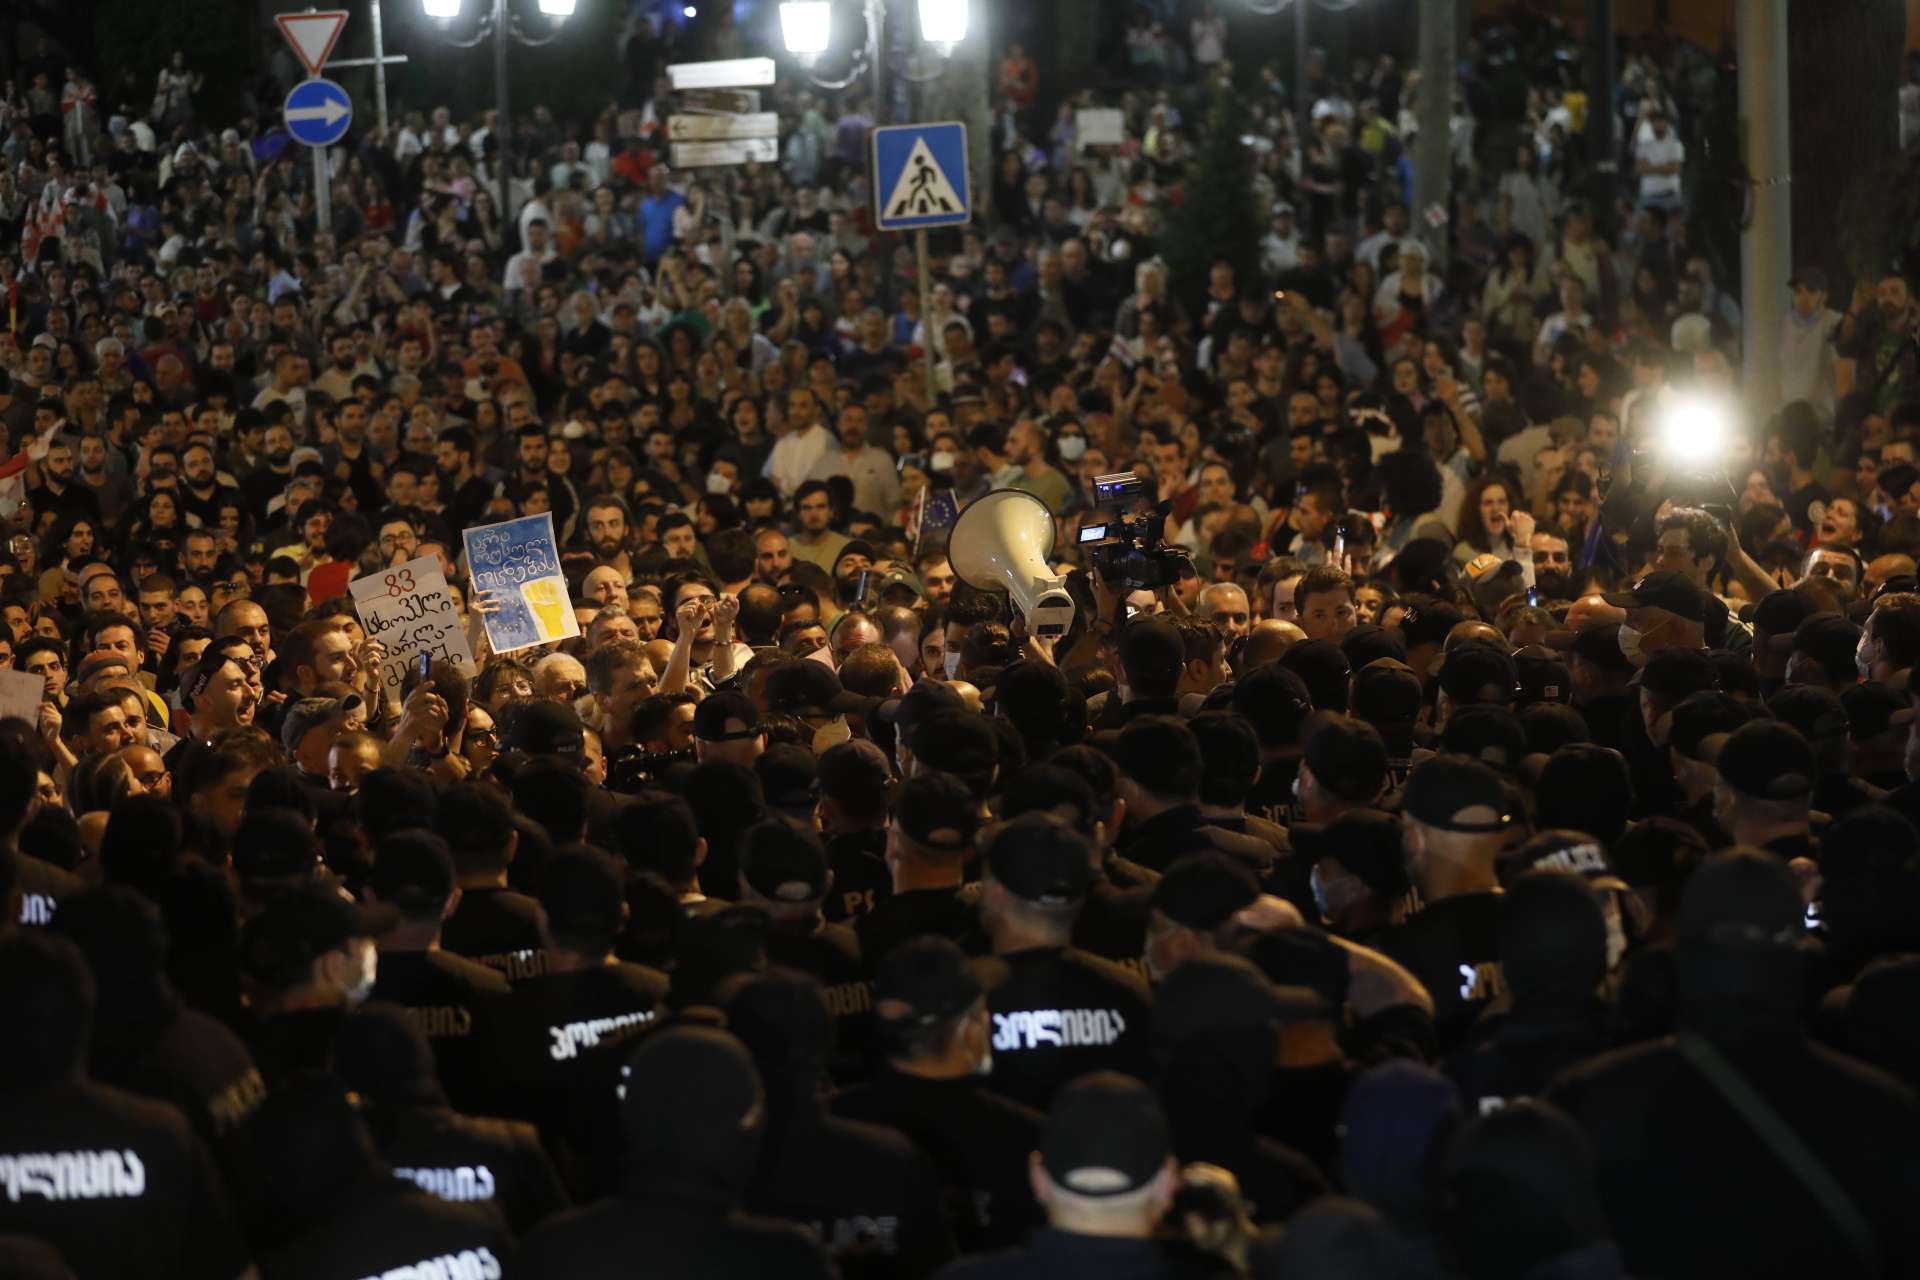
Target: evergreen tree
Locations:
point(1218, 214)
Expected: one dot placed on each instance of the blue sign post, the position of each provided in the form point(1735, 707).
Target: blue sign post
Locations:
point(920, 176)
point(318, 113)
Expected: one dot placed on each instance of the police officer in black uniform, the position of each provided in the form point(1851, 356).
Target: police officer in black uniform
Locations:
point(931, 837)
point(692, 1111)
point(448, 996)
point(383, 1056)
point(1058, 1012)
point(493, 924)
point(783, 870)
point(854, 782)
point(938, 1040)
point(560, 1038)
point(313, 1156)
point(117, 1183)
point(145, 1040)
point(1453, 821)
point(311, 957)
point(866, 1192)
point(1161, 767)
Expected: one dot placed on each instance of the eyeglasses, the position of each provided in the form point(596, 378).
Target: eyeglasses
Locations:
point(482, 735)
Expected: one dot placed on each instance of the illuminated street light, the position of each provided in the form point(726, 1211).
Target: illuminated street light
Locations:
point(807, 26)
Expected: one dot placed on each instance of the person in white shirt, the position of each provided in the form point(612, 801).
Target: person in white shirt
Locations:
point(1806, 344)
point(792, 459)
point(1658, 155)
point(1394, 231)
point(1280, 247)
point(876, 486)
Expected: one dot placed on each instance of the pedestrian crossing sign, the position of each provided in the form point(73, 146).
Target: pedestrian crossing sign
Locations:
point(920, 176)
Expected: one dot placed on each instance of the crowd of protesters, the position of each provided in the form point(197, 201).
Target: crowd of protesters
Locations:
point(1494, 856)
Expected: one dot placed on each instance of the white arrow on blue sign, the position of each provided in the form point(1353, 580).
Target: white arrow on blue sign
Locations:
point(920, 176)
point(318, 113)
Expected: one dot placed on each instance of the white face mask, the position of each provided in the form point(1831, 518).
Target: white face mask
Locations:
point(1072, 448)
point(1860, 660)
point(1319, 892)
point(941, 460)
point(951, 662)
point(717, 483)
point(831, 736)
point(369, 972)
point(1630, 646)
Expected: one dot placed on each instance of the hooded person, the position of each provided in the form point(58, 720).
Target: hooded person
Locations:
point(1216, 1028)
point(145, 1039)
point(1521, 1198)
point(314, 1164)
point(1553, 951)
point(382, 1054)
point(1814, 1158)
point(1395, 1126)
point(693, 1113)
point(869, 1193)
point(153, 1203)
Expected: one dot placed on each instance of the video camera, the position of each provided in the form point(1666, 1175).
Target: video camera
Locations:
point(1133, 560)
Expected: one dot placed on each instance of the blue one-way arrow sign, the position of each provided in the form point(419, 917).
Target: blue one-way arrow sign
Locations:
point(317, 113)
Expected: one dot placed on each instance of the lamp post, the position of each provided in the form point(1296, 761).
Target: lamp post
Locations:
point(498, 22)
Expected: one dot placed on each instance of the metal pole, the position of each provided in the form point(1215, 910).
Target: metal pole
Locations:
point(379, 73)
point(1302, 102)
point(322, 192)
point(502, 124)
point(923, 280)
point(1766, 246)
point(1600, 140)
point(1433, 149)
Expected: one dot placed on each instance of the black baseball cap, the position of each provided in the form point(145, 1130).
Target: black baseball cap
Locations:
point(1475, 673)
point(301, 925)
point(1322, 666)
point(1701, 722)
point(937, 810)
point(1563, 850)
point(961, 742)
point(1305, 957)
point(1387, 691)
point(806, 686)
point(787, 773)
point(1041, 858)
point(1768, 761)
point(1204, 890)
point(413, 870)
point(1543, 676)
point(1160, 753)
point(1276, 701)
point(1830, 640)
point(1780, 614)
point(1209, 993)
point(1675, 672)
point(1816, 712)
point(1549, 726)
point(581, 892)
point(783, 861)
point(1151, 650)
point(547, 728)
point(855, 771)
point(1599, 643)
point(916, 704)
point(308, 714)
point(1485, 732)
point(1430, 624)
point(1347, 757)
point(1873, 707)
point(1454, 793)
point(1104, 1135)
point(1364, 841)
point(1369, 643)
point(1667, 589)
point(711, 716)
point(922, 984)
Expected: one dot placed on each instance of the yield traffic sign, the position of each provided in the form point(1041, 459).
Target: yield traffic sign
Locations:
point(312, 35)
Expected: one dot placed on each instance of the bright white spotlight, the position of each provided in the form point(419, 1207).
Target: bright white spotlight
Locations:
point(441, 9)
point(1694, 426)
point(943, 21)
point(557, 8)
point(690, 11)
point(807, 25)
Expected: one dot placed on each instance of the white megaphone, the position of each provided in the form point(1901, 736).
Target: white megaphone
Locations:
point(1001, 543)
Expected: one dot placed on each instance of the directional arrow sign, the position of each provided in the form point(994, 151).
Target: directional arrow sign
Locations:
point(317, 113)
point(698, 155)
point(761, 124)
point(312, 35)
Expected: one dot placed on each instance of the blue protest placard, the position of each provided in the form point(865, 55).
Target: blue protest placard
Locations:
point(920, 176)
point(518, 562)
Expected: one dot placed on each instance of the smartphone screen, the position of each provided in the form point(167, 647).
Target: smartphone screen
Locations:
point(426, 661)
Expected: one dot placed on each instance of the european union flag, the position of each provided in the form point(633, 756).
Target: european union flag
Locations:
point(940, 513)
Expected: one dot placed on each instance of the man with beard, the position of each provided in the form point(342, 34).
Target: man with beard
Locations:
point(261, 486)
point(1880, 342)
point(1551, 562)
point(350, 457)
point(465, 493)
point(609, 524)
point(203, 494)
point(532, 470)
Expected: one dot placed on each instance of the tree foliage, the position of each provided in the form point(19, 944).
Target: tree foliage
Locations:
point(1217, 214)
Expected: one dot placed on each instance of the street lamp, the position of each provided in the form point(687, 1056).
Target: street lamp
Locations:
point(807, 26)
point(498, 22)
point(943, 22)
